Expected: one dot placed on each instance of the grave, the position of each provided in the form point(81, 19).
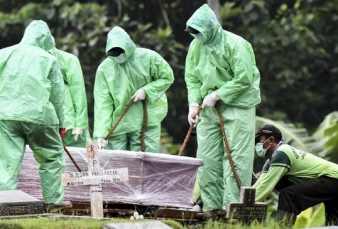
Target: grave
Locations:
point(17, 202)
point(94, 177)
point(154, 179)
point(247, 209)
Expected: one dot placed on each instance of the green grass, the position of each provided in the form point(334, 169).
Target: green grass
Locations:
point(72, 223)
point(64, 223)
point(49, 223)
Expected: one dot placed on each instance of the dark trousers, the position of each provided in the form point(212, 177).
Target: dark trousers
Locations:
point(298, 197)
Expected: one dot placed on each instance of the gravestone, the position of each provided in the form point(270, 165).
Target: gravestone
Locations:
point(17, 202)
point(94, 177)
point(247, 209)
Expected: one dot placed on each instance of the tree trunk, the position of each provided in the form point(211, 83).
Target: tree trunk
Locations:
point(214, 5)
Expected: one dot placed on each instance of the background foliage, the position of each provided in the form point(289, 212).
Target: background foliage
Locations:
point(295, 42)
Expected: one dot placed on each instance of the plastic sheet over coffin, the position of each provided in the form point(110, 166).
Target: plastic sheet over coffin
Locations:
point(154, 179)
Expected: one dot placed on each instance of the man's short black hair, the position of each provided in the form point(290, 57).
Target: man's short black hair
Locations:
point(268, 131)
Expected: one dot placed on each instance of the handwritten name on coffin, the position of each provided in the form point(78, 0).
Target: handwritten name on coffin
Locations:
point(95, 177)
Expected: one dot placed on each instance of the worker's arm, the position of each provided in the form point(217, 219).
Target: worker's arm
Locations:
point(267, 182)
point(279, 166)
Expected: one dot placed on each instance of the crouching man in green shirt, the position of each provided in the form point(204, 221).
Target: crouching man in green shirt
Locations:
point(302, 179)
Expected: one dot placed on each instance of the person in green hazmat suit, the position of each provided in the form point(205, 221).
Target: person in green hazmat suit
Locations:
point(75, 104)
point(221, 72)
point(31, 98)
point(130, 73)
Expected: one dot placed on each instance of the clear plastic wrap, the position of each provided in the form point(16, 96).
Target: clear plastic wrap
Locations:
point(154, 179)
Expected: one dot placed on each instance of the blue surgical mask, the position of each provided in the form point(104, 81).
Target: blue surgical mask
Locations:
point(260, 150)
point(120, 58)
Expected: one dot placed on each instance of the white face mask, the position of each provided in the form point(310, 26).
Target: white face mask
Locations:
point(198, 36)
point(260, 150)
point(120, 58)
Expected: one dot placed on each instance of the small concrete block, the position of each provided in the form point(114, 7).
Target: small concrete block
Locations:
point(137, 225)
point(16, 196)
point(17, 202)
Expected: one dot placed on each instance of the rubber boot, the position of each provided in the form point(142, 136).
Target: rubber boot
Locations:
point(285, 219)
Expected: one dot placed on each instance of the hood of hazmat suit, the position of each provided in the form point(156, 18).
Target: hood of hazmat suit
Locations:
point(116, 82)
point(31, 85)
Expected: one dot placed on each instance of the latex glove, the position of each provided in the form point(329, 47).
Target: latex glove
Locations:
point(210, 100)
point(140, 94)
point(101, 143)
point(193, 118)
point(62, 131)
point(77, 131)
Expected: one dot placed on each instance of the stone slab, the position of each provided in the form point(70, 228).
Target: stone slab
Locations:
point(17, 202)
point(138, 225)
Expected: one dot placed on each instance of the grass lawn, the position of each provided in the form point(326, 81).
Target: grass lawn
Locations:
point(57, 222)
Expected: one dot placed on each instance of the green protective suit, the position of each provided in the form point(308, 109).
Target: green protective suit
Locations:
point(31, 98)
point(116, 83)
point(224, 63)
point(75, 105)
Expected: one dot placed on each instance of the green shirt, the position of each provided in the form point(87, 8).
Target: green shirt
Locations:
point(298, 165)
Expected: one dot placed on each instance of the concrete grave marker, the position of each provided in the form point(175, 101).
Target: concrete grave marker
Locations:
point(247, 209)
point(17, 202)
point(95, 177)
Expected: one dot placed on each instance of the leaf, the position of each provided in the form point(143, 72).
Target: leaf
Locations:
point(307, 213)
point(318, 216)
point(297, 137)
point(301, 222)
point(311, 217)
point(327, 135)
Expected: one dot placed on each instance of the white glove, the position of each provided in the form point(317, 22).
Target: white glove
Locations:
point(192, 117)
point(101, 143)
point(140, 94)
point(77, 131)
point(210, 100)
